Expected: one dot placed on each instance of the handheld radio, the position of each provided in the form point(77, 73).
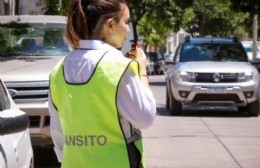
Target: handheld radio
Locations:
point(131, 40)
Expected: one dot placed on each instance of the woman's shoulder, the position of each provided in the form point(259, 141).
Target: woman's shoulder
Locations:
point(117, 55)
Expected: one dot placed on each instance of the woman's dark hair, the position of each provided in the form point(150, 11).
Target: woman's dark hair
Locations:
point(87, 16)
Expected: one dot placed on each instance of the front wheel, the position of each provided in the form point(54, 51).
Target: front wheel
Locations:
point(253, 109)
point(174, 106)
point(167, 98)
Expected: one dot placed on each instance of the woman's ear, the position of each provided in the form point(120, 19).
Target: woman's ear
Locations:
point(109, 25)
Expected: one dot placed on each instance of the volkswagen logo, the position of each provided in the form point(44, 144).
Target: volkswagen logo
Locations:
point(12, 92)
point(216, 77)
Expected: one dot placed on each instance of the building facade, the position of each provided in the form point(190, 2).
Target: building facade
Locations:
point(174, 39)
point(19, 7)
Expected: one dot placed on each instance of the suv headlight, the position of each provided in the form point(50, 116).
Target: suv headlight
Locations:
point(187, 76)
point(244, 76)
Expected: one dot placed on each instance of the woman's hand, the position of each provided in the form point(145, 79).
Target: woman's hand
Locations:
point(139, 56)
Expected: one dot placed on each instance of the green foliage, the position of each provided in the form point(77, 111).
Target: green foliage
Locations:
point(153, 19)
point(54, 7)
point(210, 18)
point(250, 7)
point(184, 3)
point(188, 15)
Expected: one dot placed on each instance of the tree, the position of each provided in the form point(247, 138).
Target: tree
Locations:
point(210, 18)
point(156, 17)
point(137, 11)
point(153, 19)
point(251, 7)
point(54, 7)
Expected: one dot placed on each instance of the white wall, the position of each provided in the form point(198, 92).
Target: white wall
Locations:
point(29, 7)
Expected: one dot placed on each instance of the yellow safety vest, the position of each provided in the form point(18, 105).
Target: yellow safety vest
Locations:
point(89, 116)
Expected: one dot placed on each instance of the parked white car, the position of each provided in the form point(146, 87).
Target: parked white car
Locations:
point(15, 143)
point(248, 45)
point(31, 45)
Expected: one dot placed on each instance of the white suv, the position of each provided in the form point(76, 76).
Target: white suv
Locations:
point(30, 47)
point(212, 71)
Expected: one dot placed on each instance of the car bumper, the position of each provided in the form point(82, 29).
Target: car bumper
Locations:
point(39, 122)
point(219, 93)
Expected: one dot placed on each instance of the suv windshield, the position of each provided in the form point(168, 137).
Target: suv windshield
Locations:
point(212, 52)
point(22, 39)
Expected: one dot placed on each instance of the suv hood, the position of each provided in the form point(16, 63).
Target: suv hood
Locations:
point(14, 69)
point(211, 66)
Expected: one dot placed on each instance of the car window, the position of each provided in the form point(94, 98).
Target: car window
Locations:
point(249, 47)
point(33, 39)
point(4, 101)
point(212, 52)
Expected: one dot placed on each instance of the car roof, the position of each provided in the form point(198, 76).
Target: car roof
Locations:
point(210, 40)
point(34, 19)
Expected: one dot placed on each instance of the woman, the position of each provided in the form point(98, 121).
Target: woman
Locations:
point(98, 98)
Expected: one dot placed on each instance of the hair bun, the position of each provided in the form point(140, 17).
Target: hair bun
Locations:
point(84, 3)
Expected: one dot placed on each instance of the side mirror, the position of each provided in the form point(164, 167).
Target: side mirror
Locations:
point(169, 60)
point(13, 121)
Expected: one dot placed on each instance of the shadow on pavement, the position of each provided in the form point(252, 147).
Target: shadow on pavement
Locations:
point(159, 83)
point(45, 157)
point(161, 111)
point(217, 112)
point(205, 112)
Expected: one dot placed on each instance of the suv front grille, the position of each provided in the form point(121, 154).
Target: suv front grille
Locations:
point(28, 92)
point(216, 98)
point(209, 77)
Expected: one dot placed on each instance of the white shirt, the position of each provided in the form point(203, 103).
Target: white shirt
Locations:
point(136, 103)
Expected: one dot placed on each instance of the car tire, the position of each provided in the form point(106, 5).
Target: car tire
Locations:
point(157, 71)
point(163, 71)
point(253, 109)
point(175, 106)
point(167, 104)
point(149, 71)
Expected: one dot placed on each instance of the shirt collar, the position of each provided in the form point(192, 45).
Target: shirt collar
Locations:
point(93, 45)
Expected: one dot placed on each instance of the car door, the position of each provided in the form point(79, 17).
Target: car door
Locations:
point(15, 143)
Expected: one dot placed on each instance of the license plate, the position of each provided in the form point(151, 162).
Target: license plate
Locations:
point(219, 90)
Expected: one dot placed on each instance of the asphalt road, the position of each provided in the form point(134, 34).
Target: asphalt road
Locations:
point(206, 137)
